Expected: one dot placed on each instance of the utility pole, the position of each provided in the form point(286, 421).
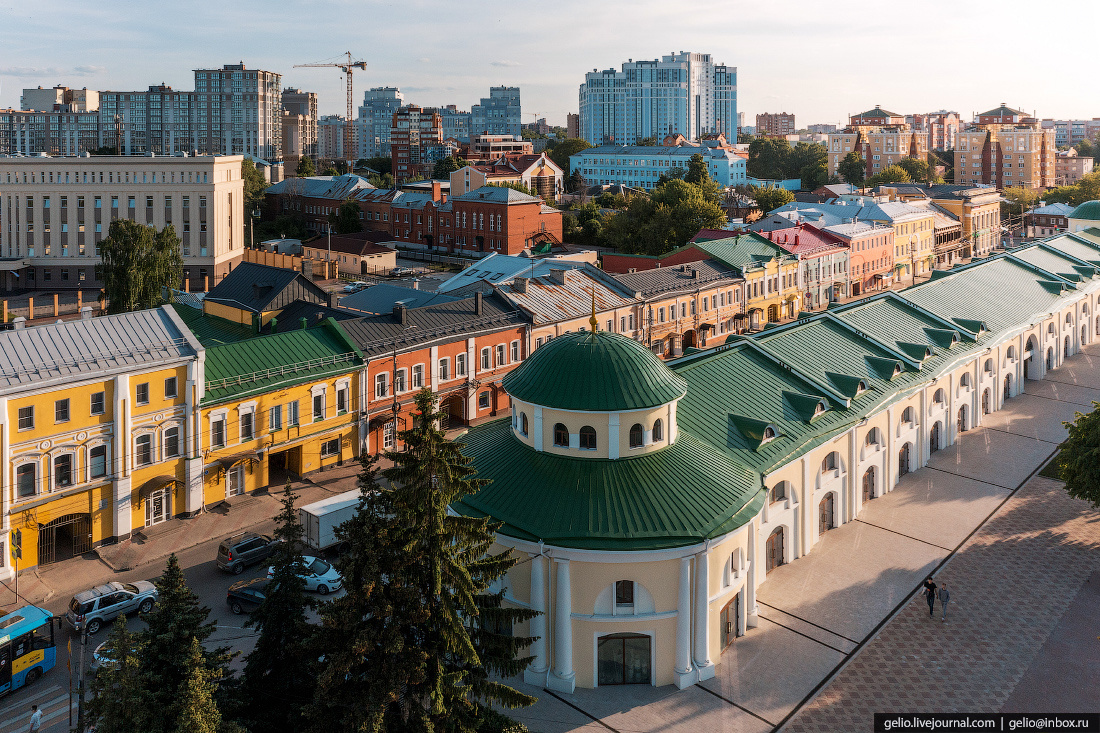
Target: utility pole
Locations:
point(80, 685)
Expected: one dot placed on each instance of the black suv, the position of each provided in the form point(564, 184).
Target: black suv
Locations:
point(244, 549)
point(245, 596)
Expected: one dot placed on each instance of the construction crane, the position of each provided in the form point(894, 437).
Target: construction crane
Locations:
point(347, 68)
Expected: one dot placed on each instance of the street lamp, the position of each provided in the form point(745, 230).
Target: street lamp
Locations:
point(252, 227)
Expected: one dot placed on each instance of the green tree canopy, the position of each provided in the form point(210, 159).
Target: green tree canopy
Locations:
point(1087, 189)
point(345, 220)
point(673, 213)
point(136, 261)
point(650, 141)
point(118, 703)
point(672, 174)
point(383, 164)
point(515, 186)
point(444, 167)
point(1079, 458)
point(561, 152)
point(195, 710)
point(608, 200)
point(853, 168)
point(414, 644)
point(889, 174)
point(697, 170)
point(384, 180)
point(305, 167)
point(768, 158)
point(254, 186)
point(922, 171)
point(770, 199)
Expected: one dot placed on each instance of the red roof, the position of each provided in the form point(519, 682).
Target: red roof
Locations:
point(806, 240)
point(359, 243)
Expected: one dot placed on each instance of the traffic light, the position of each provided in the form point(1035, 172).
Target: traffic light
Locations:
point(17, 544)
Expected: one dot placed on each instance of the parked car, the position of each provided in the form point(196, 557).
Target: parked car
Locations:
point(245, 596)
point(103, 657)
point(90, 609)
point(355, 287)
point(402, 272)
point(318, 575)
point(241, 550)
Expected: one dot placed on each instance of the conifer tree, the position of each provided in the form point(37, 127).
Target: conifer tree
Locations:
point(195, 710)
point(118, 703)
point(278, 681)
point(414, 642)
point(176, 620)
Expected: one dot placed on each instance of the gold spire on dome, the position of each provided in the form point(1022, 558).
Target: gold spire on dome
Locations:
point(592, 320)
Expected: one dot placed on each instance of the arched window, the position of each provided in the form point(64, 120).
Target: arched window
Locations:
point(769, 434)
point(561, 435)
point(830, 463)
point(779, 491)
point(588, 438)
point(820, 408)
point(964, 380)
point(988, 368)
point(1012, 351)
point(872, 437)
point(523, 423)
point(636, 433)
point(861, 387)
point(658, 430)
point(907, 415)
point(938, 397)
point(1050, 329)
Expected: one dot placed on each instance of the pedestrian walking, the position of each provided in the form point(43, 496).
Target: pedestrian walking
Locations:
point(930, 595)
point(945, 596)
point(36, 719)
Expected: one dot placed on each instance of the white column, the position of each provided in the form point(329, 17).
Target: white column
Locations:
point(536, 435)
point(806, 510)
point(7, 572)
point(684, 673)
point(889, 475)
point(855, 479)
point(752, 610)
point(702, 618)
point(562, 678)
point(433, 368)
point(613, 436)
point(122, 458)
point(535, 674)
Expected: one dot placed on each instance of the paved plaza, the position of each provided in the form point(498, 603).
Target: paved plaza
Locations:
point(843, 632)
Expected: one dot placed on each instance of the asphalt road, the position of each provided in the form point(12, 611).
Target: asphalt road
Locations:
point(210, 584)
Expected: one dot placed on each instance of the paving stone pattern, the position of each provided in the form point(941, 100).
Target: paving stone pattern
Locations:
point(1010, 584)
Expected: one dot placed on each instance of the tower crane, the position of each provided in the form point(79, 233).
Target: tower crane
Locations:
point(346, 67)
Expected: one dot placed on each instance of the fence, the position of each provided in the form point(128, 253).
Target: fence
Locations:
point(311, 268)
point(49, 305)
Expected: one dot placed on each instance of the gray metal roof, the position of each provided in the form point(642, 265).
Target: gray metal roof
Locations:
point(60, 352)
point(548, 301)
point(382, 297)
point(679, 278)
point(499, 195)
point(258, 288)
point(497, 269)
point(321, 187)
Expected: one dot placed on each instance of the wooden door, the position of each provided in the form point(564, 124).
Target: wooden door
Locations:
point(731, 621)
point(774, 551)
point(825, 514)
point(903, 460)
point(869, 484)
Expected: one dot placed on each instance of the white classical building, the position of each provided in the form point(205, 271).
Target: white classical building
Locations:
point(647, 501)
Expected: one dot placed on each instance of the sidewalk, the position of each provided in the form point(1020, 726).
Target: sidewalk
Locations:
point(40, 585)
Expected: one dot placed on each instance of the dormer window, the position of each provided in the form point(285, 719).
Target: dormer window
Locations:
point(819, 409)
point(897, 369)
point(861, 387)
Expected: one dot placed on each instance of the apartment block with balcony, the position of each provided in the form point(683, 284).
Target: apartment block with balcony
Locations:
point(239, 111)
point(775, 124)
point(1006, 148)
point(498, 114)
point(416, 142)
point(299, 124)
point(54, 212)
point(883, 138)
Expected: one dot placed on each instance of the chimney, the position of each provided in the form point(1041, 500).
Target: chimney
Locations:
point(478, 297)
point(332, 299)
point(19, 322)
point(274, 324)
point(437, 192)
point(303, 323)
point(400, 312)
point(558, 276)
point(694, 274)
point(796, 239)
point(85, 312)
point(520, 285)
point(416, 283)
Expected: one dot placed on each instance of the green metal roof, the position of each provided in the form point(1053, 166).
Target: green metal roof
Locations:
point(212, 330)
point(1087, 210)
point(594, 370)
point(274, 361)
point(677, 496)
point(744, 251)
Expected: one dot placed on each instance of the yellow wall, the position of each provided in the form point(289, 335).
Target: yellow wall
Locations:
point(230, 314)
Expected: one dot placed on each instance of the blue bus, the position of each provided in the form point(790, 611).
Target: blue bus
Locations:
point(27, 648)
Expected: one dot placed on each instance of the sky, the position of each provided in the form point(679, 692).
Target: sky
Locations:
point(821, 61)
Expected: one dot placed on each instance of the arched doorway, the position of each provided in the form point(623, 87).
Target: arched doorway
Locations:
point(730, 621)
point(454, 411)
point(825, 514)
point(934, 439)
point(688, 340)
point(1008, 387)
point(1066, 347)
point(64, 538)
point(1084, 335)
point(985, 401)
point(624, 659)
point(903, 460)
point(1031, 355)
point(773, 313)
point(1050, 358)
point(773, 553)
point(960, 424)
point(869, 484)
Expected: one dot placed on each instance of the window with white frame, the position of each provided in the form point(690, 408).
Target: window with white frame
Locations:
point(330, 448)
point(343, 393)
point(170, 389)
point(143, 450)
point(292, 414)
point(247, 420)
point(97, 461)
point(418, 376)
point(485, 364)
point(217, 431)
point(171, 442)
point(142, 393)
point(26, 479)
point(275, 418)
point(444, 369)
point(99, 403)
point(460, 365)
point(63, 470)
point(26, 418)
point(318, 406)
point(515, 351)
point(400, 381)
point(61, 411)
point(483, 400)
point(500, 355)
point(388, 434)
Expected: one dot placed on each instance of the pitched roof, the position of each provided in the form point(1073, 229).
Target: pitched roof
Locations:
point(1053, 210)
point(546, 300)
point(381, 298)
point(358, 243)
point(806, 241)
point(211, 330)
point(498, 195)
point(744, 251)
point(60, 352)
point(676, 278)
point(321, 187)
point(497, 269)
point(259, 288)
point(1003, 111)
point(876, 113)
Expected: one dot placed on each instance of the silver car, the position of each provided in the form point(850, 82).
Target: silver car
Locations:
point(90, 609)
point(318, 575)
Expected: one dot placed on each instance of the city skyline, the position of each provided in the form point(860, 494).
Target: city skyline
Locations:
point(444, 54)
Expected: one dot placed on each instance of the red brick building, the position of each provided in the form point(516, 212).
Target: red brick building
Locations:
point(416, 142)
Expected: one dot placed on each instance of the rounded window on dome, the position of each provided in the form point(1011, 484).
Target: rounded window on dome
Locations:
point(769, 433)
point(561, 435)
point(636, 433)
point(658, 430)
point(588, 438)
point(523, 423)
point(861, 387)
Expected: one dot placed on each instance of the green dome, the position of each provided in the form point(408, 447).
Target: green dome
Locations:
point(1087, 210)
point(594, 370)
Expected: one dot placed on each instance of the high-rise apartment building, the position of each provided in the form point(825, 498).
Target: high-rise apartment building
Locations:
point(775, 124)
point(331, 140)
point(416, 142)
point(375, 119)
point(54, 212)
point(498, 114)
point(239, 111)
point(302, 107)
point(685, 93)
point(572, 125)
point(59, 99)
point(941, 128)
point(55, 133)
point(1006, 147)
point(456, 123)
point(159, 120)
point(881, 137)
point(1071, 132)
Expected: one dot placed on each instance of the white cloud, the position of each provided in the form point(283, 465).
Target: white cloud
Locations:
point(89, 70)
point(424, 60)
point(506, 64)
point(30, 71)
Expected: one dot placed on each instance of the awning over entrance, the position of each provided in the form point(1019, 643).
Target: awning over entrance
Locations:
point(154, 484)
point(227, 462)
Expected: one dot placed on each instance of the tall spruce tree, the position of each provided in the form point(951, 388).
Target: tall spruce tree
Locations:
point(415, 643)
point(278, 681)
point(176, 620)
point(118, 703)
point(195, 710)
